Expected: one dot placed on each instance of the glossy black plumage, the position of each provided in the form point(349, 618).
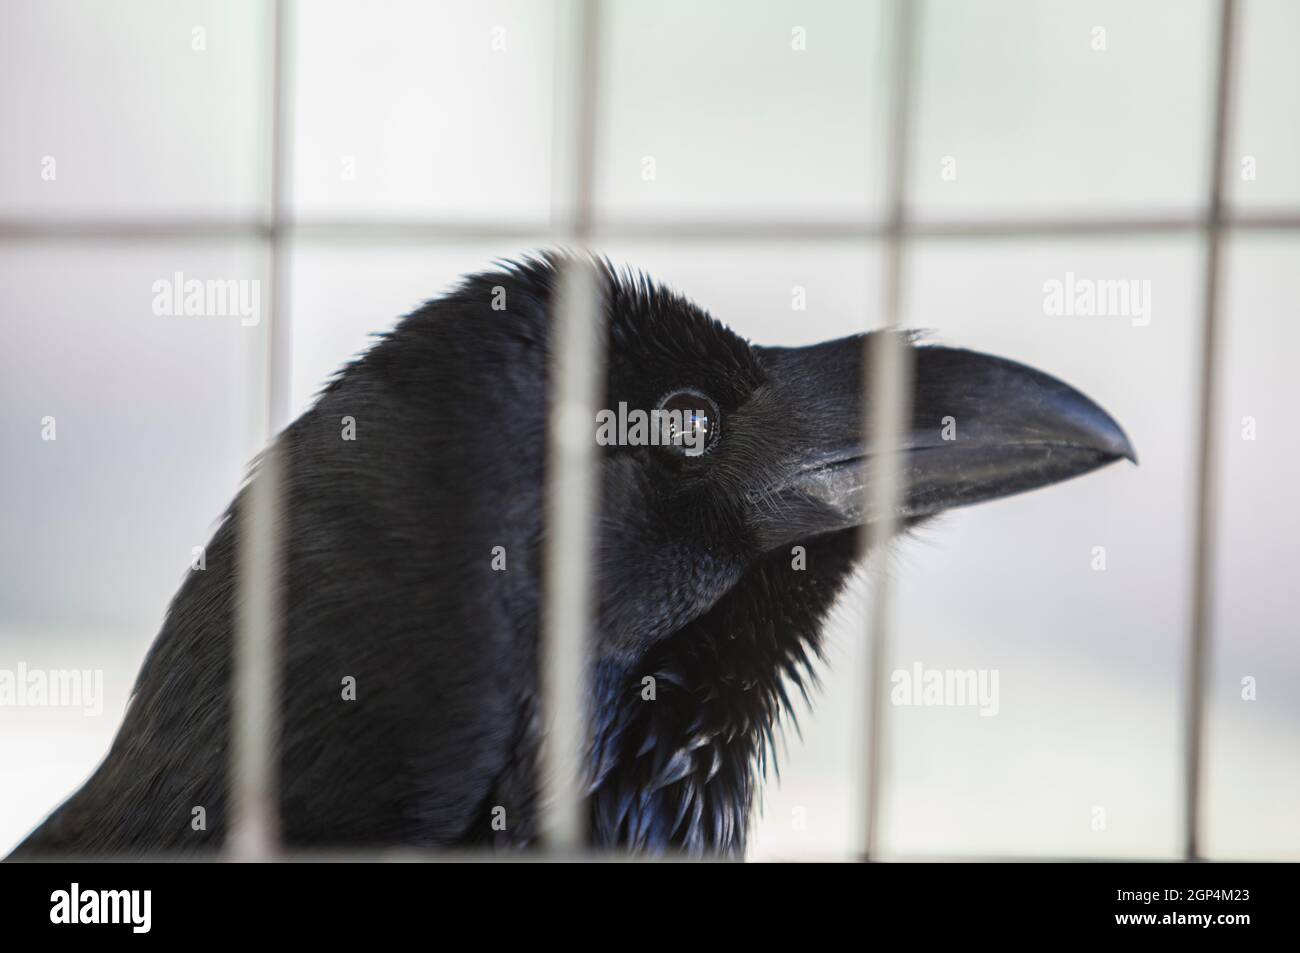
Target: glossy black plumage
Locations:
point(391, 539)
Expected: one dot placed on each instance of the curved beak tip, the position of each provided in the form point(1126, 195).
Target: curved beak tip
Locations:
point(1109, 437)
point(1123, 448)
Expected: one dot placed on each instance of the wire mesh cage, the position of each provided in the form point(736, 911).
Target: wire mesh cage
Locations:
point(887, 257)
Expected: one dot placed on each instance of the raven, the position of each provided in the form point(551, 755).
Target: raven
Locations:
point(414, 565)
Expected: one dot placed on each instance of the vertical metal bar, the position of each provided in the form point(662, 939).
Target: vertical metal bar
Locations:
point(1203, 572)
point(888, 407)
point(572, 485)
point(253, 831)
point(254, 824)
point(280, 231)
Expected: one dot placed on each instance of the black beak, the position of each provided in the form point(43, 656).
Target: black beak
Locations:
point(981, 428)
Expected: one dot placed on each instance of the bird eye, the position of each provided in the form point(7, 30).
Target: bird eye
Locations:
point(690, 422)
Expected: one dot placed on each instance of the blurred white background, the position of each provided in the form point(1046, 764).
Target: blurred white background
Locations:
point(441, 113)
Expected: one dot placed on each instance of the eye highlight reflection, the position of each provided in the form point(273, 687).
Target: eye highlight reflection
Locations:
point(691, 421)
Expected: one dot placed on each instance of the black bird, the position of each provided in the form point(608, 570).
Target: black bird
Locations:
point(390, 578)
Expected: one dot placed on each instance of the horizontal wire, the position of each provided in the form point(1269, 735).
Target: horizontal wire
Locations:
point(757, 231)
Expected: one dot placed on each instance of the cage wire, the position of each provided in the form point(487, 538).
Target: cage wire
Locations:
point(571, 498)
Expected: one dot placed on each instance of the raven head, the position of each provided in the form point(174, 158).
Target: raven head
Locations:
point(757, 449)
